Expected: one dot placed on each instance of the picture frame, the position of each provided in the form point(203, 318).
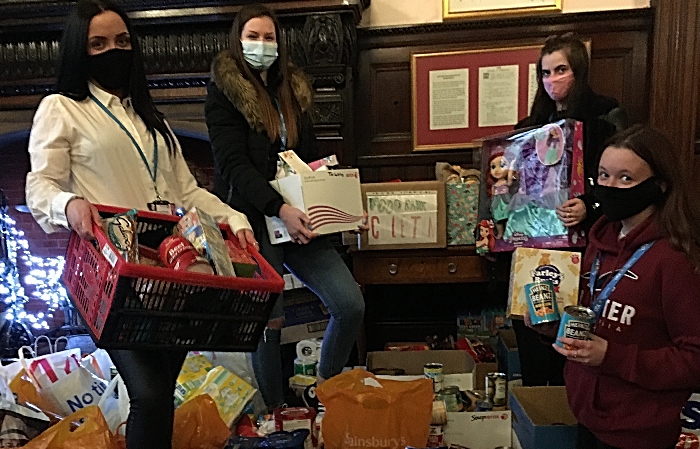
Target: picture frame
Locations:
point(461, 9)
point(459, 97)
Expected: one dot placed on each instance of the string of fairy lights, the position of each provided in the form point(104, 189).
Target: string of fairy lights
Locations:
point(42, 278)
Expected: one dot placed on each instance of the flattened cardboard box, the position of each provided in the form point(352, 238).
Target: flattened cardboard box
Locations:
point(330, 198)
point(404, 215)
point(528, 265)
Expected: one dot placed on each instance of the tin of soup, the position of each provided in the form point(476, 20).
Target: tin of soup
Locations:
point(576, 322)
point(542, 302)
point(497, 388)
point(433, 371)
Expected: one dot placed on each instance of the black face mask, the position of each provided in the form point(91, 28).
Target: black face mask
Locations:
point(111, 69)
point(620, 203)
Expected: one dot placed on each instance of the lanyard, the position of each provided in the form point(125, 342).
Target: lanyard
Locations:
point(283, 129)
point(153, 173)
point(598, 303)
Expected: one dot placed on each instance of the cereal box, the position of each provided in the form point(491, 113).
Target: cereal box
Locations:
point(192, 374)
point(230, 393)
point(202, 230)
point(529, 265)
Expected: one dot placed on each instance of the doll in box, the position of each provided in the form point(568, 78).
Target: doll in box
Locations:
point(486, 239)
point(498, 188)
point(544, 164)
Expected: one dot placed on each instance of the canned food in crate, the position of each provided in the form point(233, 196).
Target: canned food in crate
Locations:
point(576, 322)
point(305, 366)
point(178, 253)
point(542, 302)
point(451, 396)
point(433, 371)
point(497, 388)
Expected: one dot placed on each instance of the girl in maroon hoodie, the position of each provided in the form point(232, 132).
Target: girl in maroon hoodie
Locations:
point(628, 383)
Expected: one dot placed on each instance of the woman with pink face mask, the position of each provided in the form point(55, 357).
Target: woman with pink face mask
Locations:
point(563, 92)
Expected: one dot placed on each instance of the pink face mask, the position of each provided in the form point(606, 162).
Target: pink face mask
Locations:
point(558, 86)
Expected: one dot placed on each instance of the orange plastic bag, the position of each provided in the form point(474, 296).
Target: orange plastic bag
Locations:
point(26, 393)
point(363, 411)
point(199, 426)
point(93, 433)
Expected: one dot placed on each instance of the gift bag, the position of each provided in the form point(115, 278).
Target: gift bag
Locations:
point(462, 199)
point(199, 425)
point(92, 433)
point(364, 411)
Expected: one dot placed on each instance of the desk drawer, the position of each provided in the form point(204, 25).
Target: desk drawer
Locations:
point(419, 270)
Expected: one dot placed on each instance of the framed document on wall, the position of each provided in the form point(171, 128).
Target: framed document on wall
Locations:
point(458, 9)
point(459, 97)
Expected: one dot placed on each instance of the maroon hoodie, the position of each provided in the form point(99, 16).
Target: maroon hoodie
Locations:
point(651, 321)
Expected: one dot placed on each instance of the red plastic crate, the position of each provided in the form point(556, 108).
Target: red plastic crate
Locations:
point(134, 306)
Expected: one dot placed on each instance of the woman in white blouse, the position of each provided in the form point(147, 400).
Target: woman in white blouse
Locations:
point(101, 140)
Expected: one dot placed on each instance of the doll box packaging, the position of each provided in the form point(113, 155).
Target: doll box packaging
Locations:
point(526, 175)
point(332, 199)
point(529, 265)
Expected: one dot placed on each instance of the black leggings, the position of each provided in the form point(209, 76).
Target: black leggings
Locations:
point(150, 378)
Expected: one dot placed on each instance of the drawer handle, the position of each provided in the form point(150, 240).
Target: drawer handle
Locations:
point(452, 268)
point(393, 269)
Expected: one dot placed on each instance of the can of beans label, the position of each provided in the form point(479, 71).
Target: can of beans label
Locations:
point(497, 388)
point(576, 322)
point(304, 365)
point(433, 371)
point(542, 302)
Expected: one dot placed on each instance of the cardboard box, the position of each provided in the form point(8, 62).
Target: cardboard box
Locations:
point(305, 316)
point(202, 230)
point(508, 357)
point(479, 430)
point(330, 198)
point(458, 366)
point(542, 418)
point(404, 215)
point(529, 265)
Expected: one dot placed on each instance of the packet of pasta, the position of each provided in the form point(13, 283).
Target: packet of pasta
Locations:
point(121, 231)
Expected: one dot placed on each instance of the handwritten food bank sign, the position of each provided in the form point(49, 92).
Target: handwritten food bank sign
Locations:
point(404, 215)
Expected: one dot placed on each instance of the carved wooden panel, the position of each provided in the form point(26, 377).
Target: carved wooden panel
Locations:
point(620, 43)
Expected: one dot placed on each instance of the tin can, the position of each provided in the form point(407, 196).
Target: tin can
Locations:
point(178, 253)
point(576, 322)
point(433, 371)
point(542, 302)
point(497, 388)
point(305, 366)
point(484, 405)
point(436, 437)
point(451, 396)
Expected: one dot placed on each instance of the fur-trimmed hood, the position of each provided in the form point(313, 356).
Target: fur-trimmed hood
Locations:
point(227, 76)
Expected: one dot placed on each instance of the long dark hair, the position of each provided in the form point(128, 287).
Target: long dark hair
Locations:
point(577, 55)
point(279, 71)
point(72, 72)
point(679, 214)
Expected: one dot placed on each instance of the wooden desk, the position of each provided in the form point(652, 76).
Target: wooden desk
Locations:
point(419, 266)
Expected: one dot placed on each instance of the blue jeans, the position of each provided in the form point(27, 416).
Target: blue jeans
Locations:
point(319, 266)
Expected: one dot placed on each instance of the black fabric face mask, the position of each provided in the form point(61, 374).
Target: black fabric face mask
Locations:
point(620, 203)
point(111, 69)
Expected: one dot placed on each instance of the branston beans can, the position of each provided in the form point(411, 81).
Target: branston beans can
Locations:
point(433, 371)
point(576, 322)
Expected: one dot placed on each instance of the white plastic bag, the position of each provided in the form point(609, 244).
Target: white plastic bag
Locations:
point(75, 391)
point(47, 369)
point(115, 408)
point(98, 363)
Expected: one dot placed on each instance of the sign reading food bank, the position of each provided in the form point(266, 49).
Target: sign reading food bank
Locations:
point(405, 215)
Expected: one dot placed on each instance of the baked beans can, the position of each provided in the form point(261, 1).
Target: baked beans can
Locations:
point(542, 302)
point(576, 322)
point(433, 371)
point(436, 437)
point(305, 366)
point(497, 388)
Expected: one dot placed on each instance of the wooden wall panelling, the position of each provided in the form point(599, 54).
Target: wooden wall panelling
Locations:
point(675, 87)
point(620, 42)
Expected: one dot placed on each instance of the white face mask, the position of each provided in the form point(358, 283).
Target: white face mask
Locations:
point(258, 54)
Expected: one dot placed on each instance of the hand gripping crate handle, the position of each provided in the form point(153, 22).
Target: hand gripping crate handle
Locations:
point(271, 281)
